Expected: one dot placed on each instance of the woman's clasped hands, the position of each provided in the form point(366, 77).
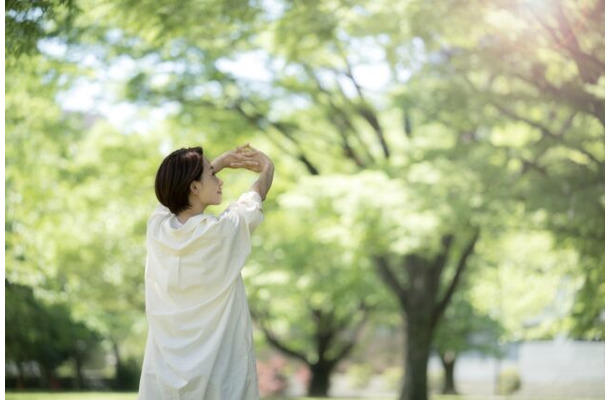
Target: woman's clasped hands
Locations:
point(245, 156)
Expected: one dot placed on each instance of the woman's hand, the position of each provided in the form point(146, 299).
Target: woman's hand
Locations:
point(264, 166)
point(235, 159)
point(261, 160)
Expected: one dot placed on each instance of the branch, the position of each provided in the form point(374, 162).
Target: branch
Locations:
point(310, 167)
point(527, 164)
point(339, 118)
point(569, 43)
point(275, 342)
point(546, 131)
point(369, 115)
point(324, 332)
point(301, 157)
point(441, 259)
point(279, 127)
point(344, 352)
point(352, 129)
point(390, 279)
point(351, 77)
point(343, 124)
point(440, 307)
point(256, 121)
point(261, 318)
point(570, 93)
point(589, 73)
point(367, 112)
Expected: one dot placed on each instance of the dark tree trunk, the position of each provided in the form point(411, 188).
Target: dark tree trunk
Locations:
point(448, 360)
point(329, 328)
point(44, 381)
point(117, 366)
point(418, 345)
point(423, 303)
point(20, 375)
point(48, 378)
point(78, 367)
point(320, 380)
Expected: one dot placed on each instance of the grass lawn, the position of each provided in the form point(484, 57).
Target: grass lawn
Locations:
point(70, 396)
point(132, 396)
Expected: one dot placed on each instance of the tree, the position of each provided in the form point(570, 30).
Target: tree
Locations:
point(68, 201)
point(526, 285)
point(43, 333)
point(349, 126)
point(463, 328)
point(310, 284)
point(456, 114)
point(27, 22)
point(539, 75)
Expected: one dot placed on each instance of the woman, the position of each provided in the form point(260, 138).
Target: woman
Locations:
point(199, 342)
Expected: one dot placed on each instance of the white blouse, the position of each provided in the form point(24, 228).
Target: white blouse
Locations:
point(199, 342)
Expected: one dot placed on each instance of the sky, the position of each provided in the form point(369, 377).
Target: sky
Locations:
point(100, 93)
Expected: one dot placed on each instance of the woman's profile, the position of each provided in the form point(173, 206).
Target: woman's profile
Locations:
point(199, 343)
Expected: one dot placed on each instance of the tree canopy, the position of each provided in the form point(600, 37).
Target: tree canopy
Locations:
point(415, 142)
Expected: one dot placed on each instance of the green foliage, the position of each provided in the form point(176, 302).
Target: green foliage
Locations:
point(532, 95)
point(463, 328)
point(421, 118)
point(26, 22)
point(309, 274)
point(128, 375)
point(527, 287)
point(41, 332)
point(72, 234)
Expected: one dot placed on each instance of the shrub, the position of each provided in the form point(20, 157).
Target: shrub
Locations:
point(128, 375)
point(509, 381)
point(272, 380)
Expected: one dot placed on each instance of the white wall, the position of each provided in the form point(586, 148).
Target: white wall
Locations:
point(561, 361)
point(558, 368)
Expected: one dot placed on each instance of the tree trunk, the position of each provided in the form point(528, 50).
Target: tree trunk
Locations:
point(328, 330)
point(422, 305)
point(320, 380)
point(78, 367)
point(418, 344)
point(448, 360)
point(20, 376)
point(117, 366)
point(44, 381)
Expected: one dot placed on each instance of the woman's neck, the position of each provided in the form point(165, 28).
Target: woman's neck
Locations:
point(184, 216)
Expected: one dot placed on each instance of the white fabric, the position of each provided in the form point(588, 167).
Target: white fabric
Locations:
point(199, 343)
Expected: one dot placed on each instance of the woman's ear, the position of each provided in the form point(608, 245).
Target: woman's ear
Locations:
point(194, 188)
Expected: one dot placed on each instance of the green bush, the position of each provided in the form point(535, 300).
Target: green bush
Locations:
point(509, 381)
point(128, 375)
point(360, 375)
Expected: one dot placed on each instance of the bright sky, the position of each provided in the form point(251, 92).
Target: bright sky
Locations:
point(100, 93)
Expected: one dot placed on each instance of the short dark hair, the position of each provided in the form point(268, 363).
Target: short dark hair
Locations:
point(175, 175)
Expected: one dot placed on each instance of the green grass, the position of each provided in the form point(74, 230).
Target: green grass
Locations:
point(70, 396)
point(132, 396)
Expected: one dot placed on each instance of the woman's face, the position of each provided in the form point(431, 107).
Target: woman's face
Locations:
point(209, 186)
